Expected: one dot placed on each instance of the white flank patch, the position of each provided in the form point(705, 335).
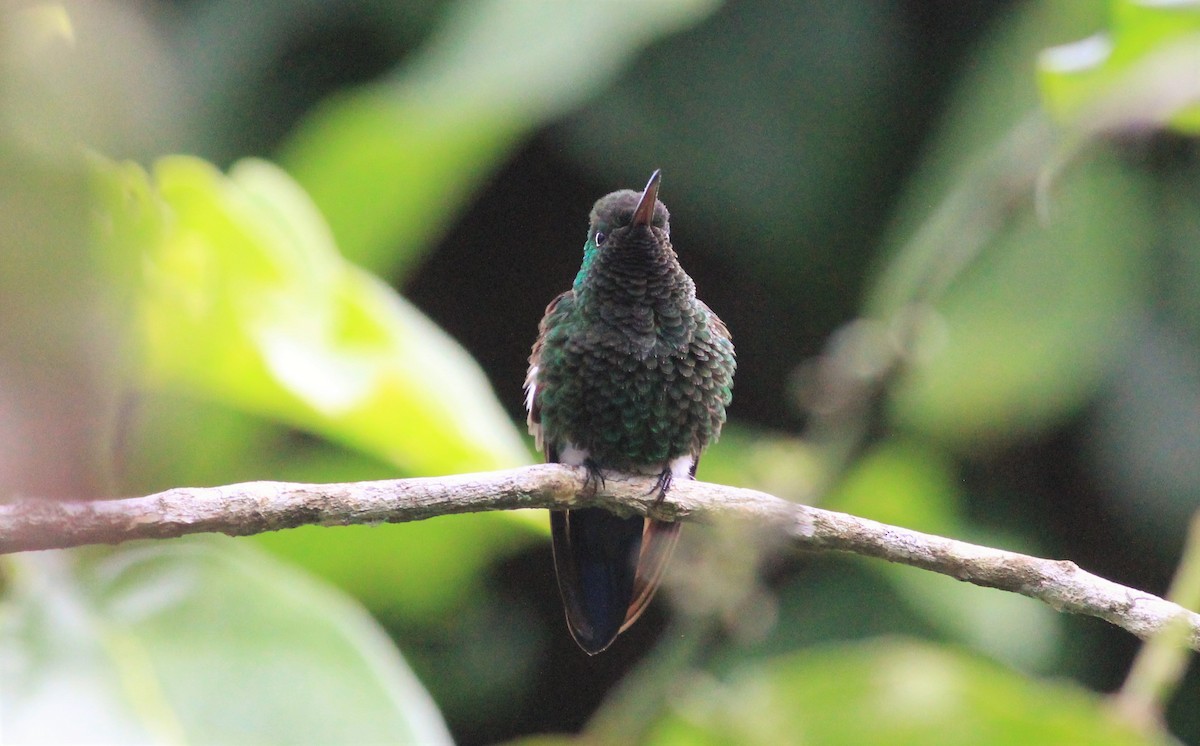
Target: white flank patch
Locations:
point(573, 455)
point(681, 467)
point(530, 388)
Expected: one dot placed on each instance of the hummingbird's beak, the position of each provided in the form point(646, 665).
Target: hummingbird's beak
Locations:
point(643, 214)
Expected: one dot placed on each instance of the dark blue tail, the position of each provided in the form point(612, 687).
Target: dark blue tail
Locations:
point(596, 556)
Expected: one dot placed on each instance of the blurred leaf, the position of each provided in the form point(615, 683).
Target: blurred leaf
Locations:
point(1145, 439)
point(1024, 336)
point(888, 691)
point(1144, 70)
point(1052, 293)
point(987, 106)
point(197, 641)
point(179, 439)
point(391, 164)
point(93, 73)
point(247, 301)
point(417, 572)
point(1008, 627)
point(906, 484)
point(554, 740)
point(782, 465)
point(773, 173)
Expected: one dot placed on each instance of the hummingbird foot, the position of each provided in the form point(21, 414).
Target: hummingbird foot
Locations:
point(594, 480)
point(662, 485)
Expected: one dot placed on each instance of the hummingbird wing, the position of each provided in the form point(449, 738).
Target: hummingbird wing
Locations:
point(557, 307)
point(715, 325)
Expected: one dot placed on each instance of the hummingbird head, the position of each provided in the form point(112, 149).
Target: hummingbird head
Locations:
point(623, 214)
point(628, 226)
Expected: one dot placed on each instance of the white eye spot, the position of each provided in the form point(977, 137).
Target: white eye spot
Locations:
point(600, 236)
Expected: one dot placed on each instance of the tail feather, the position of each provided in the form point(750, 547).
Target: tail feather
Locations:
point(597, 557)
point(658, 544)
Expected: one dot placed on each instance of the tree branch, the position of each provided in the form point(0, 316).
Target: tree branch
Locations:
point(256, 507)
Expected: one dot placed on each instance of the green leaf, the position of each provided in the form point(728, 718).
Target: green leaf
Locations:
point(196, 641)
point(391, 164)
point(906, 484)
point(417, 572)
point(888, 691)
point(783, 465)
point(1142, 70)
point(982, 150)
point(1028, 331)
point(1008, 627)
point(246, 300)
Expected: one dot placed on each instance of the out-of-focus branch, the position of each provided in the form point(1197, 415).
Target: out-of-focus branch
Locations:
point(255, 507)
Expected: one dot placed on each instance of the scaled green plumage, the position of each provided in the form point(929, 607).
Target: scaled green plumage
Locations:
point(630, 365)
point(630, 372)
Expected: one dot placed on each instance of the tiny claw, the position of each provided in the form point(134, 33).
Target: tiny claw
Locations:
point(594, 479)
point(662, 485)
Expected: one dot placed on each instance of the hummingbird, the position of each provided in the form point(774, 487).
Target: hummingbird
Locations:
point(630, 373)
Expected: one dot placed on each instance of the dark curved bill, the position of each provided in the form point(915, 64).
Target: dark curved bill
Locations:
point(643, 214)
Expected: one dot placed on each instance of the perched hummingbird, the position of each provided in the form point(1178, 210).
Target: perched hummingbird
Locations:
point(630, 373)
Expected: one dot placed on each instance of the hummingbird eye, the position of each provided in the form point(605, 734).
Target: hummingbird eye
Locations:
point(600, 236)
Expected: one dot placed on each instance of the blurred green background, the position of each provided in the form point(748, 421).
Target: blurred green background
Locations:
point(312, 241)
